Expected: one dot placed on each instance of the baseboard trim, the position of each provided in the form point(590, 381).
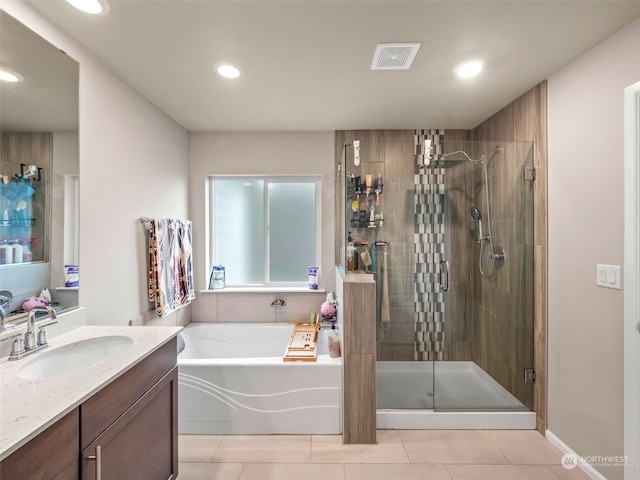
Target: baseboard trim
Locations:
point(564, 448)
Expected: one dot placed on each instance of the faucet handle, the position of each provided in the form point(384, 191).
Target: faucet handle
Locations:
point(42, 334)
point(17, 347)
point(42, 337)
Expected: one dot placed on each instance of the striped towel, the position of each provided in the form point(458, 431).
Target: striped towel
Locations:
point(170, 272)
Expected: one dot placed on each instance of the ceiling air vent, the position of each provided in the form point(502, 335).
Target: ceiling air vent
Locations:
point(394, 56)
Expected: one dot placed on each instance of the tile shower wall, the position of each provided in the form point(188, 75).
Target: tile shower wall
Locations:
point(390, 152)
point(429, 246)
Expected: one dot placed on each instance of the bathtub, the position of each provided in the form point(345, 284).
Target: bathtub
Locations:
point(232, 380)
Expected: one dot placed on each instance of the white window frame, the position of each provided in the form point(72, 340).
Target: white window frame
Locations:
point(210, 233)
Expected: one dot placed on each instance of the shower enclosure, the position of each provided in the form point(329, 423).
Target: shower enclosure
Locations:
point(446, 228)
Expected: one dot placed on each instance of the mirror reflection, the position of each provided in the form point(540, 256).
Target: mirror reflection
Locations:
point(39, 172)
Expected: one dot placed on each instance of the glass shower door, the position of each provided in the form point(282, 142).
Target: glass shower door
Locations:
point(487, 289)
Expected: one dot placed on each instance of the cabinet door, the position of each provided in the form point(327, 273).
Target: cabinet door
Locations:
point(143, 443)
point(48, 454)
point(72, 472)
point(102, 409)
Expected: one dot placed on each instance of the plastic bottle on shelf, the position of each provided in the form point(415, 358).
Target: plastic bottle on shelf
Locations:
point(351, 257)
point(6, 253)
point(18, 251)
point(26, 252)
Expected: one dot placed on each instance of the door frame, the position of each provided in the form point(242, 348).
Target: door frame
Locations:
point(632, 280)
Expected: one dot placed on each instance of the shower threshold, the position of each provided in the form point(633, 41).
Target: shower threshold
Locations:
point(466, 397)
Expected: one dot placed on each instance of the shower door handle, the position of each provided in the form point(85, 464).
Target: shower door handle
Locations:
point(444, 275)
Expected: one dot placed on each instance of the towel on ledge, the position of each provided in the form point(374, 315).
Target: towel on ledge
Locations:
point(385, 314)
point(170, 267)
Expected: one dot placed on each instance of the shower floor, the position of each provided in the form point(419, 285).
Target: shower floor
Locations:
point(462, 391)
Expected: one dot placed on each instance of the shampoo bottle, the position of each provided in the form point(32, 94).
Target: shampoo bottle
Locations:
point(6, 253)
point(18, 251)
point(26, 252)
point(333, 341)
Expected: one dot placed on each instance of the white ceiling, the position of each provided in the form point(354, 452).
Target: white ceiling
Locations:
point(306, 64)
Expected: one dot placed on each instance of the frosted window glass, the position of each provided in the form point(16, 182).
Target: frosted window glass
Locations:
point(292, 230)
point(238, 219)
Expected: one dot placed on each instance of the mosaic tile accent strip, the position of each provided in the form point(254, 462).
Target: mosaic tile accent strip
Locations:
point(428, 248)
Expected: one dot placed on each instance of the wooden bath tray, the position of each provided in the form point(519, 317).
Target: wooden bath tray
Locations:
point(302, 345)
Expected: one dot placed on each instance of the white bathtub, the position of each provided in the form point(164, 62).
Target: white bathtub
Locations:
point(232, 380)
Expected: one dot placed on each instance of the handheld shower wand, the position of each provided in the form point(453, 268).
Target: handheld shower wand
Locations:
point(475, 213)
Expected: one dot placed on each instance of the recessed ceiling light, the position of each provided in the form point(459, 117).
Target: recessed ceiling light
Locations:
point(227, 70)
point(8, 76)
point(469, 69)
point(94, 7)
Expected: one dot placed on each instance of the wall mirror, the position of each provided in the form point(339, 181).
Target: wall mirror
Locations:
point(39, 167)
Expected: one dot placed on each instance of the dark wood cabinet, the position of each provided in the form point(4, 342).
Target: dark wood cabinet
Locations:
point(133, 420)
point(140, 444)
point(47, 456)
point(72, 472)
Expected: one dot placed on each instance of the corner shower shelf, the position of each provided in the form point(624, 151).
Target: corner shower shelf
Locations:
point(364, 224)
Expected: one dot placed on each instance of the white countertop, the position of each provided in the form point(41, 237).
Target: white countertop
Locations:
point(28, 407)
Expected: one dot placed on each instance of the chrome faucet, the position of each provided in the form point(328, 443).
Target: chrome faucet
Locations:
point(31, 344)
point(30, 337)
point(5, 306)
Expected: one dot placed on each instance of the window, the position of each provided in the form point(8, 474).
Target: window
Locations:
point(264, 229)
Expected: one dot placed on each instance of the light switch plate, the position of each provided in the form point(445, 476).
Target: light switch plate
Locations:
point(608, 276)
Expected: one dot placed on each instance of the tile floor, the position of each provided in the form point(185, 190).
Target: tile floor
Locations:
point(399, 454)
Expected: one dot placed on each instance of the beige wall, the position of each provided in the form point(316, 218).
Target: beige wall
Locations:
point(585, 114)
point(134, 161)
point(302, 153)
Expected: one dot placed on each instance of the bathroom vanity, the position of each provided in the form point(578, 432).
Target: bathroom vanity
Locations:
point(111, 419)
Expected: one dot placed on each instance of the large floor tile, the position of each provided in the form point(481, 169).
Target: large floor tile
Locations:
point(208, 471)
point(197, 448)
point(291, 471)
point(500, 472)
point(451, 446)
point(396, 471)
point(562, 473)
point(330, 449)
point(264, 449)
point(525, 447)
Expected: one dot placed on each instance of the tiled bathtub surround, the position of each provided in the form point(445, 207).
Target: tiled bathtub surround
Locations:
point(229, 306)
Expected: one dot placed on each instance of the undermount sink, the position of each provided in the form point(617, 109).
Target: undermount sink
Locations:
point(75, 357)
